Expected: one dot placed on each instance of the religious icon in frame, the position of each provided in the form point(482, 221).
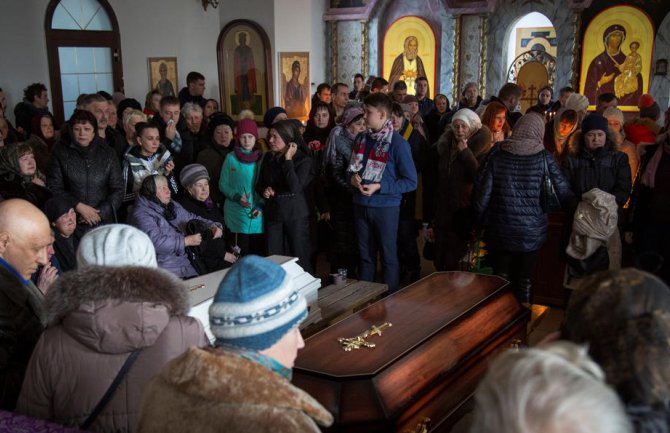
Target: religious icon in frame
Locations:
point(163, 75)
point(244, 61)
point(409, 52)
point(294, 81)
point(616, 56)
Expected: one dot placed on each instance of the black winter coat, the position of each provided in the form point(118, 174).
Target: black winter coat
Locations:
point(89, 175)
point(506, 199)
point(288, 179)
point(605, 168)
point(22, 318)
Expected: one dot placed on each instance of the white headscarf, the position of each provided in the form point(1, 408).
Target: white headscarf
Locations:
point(469, 117)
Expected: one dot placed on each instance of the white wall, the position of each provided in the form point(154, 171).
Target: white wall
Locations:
point(170, 28)
point(23, 47)
point(299, 26)
point(167, 28)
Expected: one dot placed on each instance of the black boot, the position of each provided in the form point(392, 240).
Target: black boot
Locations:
point(524, 291)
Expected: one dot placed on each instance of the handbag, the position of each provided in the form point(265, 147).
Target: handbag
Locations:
point(549, 201)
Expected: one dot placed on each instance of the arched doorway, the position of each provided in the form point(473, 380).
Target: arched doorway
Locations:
point(531, 56)
point(84, 50)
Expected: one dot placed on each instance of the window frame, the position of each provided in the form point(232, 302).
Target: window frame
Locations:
point(79, 38)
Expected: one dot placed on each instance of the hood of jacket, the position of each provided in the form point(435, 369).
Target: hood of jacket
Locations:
point(576, 143)
point(642, 130)
point(479, 142)
point(116, 309)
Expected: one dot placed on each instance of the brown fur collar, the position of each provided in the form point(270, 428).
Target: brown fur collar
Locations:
point(479, 142)
point(128, 283)
point(213, 374)
point(575, 142)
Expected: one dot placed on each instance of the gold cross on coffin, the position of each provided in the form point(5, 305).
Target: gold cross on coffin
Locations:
point(360, 340)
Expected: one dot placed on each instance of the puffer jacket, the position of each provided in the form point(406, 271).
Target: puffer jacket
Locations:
point(98, 316)
point(605, 168)
point(167, 236)
point(507, 199)
point(90, 175)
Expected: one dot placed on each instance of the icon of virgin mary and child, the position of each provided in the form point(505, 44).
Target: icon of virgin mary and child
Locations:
point(614, 72)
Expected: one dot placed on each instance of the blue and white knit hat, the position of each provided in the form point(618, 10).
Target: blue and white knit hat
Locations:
point(255, 305)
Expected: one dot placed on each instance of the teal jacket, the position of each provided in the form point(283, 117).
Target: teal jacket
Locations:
point(238, 178)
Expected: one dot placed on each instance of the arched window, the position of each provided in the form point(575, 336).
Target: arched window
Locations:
point(84, 50)
point(531, 56)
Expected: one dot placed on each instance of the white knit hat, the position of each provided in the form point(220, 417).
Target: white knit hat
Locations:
point(116, 245)
point(469, 117)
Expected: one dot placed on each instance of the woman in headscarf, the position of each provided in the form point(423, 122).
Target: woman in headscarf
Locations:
point(19, 176)
point(165, 221)
point(458, 150)
point(507, 202)
point(615, 123)
point(43, 137)
point(558, 132)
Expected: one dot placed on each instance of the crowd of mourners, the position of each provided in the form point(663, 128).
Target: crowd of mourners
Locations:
point(103, 216)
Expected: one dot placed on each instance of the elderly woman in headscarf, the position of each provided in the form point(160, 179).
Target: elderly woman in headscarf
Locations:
point(19, 176)
point(459, 150)
point(165, 221)
point(507, 202)
point(558, 132)
point(624, 318)
point(344, 246)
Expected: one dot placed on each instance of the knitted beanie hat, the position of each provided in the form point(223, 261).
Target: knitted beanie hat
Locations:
point(191, 174)
point(613, 113)
point(116, 245)
point(594, 121)
point(58, 206)
point(648, 107)
point(577, 102)
point(255, 305)
point(271, 114)
point(247, 126)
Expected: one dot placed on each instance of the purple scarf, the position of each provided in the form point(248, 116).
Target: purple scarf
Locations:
point(246, 157)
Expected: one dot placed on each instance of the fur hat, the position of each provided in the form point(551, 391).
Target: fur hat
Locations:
point(469, 117)
point(116, 245)
point(648, 107)
point(271, 114)
point(217, 119)
point(191, 174)
point(577, 102)
point(594, 121)
point(255, 305)
point(247, 126)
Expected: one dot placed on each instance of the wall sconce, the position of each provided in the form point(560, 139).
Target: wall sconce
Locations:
point(212, 3)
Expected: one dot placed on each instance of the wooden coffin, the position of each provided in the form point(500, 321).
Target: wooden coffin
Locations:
point(426, 365)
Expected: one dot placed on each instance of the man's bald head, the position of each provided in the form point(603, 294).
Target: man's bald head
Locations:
point(24, 236)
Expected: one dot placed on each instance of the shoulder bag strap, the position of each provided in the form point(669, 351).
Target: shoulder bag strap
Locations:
point(111, 390)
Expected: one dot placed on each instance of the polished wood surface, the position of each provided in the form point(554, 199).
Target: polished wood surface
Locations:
point(427, 364)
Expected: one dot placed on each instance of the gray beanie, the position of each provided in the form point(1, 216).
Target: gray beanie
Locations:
point(116, 245)
point(191, 174)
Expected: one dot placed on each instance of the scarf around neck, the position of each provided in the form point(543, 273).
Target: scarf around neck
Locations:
point(377, 154)
point(245, 156)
